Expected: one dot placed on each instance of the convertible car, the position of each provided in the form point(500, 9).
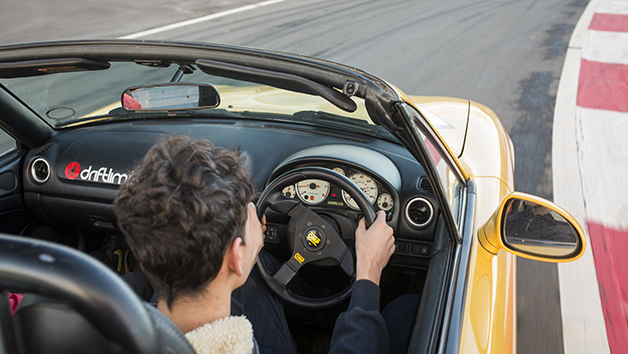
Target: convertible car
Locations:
point(327, 144)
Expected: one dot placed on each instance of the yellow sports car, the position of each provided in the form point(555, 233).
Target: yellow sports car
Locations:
point(332, 142)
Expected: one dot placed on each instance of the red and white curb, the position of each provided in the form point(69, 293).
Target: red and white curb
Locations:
point(590, 132)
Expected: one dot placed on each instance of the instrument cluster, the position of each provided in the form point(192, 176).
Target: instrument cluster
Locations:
point(317, 191)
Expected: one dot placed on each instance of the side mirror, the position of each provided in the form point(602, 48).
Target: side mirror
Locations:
point(170, 97)
point(534, 228)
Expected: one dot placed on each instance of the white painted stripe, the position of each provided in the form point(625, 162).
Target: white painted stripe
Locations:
point(616, 7)
point(606, 47)
point(580, 32)
point(602, 136)
point(199, 20)
point(584, 329)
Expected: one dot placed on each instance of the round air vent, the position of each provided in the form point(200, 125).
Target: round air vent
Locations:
point(40, 170)
point(419, 212)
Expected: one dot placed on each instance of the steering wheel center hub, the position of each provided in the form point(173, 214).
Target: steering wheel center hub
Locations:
point(317, 235)
point(314, 238)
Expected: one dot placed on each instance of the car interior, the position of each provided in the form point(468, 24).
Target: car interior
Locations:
point(59, 180)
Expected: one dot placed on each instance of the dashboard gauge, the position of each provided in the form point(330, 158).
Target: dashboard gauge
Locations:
point(339, 170)
point(385, 202)
point(312, 191)
point(289, 191)
point(366, 184)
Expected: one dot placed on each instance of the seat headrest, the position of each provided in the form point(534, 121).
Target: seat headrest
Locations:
point(78, 290)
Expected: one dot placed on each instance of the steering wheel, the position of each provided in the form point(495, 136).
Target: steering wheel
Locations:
point(313, 238)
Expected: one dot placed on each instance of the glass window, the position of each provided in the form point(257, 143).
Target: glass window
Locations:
point(64, 99)
point(448, 179)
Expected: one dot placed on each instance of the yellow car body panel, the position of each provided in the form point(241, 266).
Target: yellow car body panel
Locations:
point(485, 151)
point(489, 317)
point(260, 98)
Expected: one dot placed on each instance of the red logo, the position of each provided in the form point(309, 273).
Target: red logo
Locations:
point(72, 170)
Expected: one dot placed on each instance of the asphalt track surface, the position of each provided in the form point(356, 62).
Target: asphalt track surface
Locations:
point(507, 55)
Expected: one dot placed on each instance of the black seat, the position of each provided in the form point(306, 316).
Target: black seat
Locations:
point(74, 304)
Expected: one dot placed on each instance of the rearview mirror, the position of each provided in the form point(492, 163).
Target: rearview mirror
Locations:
point(534, 228)
point(170, 97)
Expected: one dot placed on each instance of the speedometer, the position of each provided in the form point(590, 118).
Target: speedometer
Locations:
point(366, 184)
point(313, 191)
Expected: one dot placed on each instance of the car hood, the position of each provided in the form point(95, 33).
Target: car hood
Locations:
point(449, 116)
point(260, 98)
point(473, 133)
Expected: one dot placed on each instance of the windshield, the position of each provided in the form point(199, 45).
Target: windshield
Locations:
point(73, 98)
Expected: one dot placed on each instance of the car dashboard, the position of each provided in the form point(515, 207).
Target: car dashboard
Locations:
point(72, 180)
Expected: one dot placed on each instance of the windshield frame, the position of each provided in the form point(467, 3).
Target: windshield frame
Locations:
point(335, 79)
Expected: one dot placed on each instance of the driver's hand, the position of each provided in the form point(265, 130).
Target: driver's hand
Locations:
point(373, 248)
point(256, 228)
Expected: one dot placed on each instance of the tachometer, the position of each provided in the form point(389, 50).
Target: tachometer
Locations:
point(313, 191)
point(366, 184)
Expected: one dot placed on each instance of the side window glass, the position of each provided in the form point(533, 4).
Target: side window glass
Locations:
point(448, 180)
point(448, 174)
point(7, 143)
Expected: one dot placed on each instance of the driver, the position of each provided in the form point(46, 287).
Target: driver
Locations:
point(187, 215)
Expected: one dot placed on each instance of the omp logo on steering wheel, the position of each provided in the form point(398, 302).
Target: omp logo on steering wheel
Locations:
point(72, 170)
point(312, 239)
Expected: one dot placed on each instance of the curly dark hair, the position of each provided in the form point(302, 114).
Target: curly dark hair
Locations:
point(180, 210)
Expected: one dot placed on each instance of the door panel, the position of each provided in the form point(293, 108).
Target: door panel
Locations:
point(13, 214)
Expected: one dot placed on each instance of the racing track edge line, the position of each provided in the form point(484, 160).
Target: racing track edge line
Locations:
point(584, 329)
